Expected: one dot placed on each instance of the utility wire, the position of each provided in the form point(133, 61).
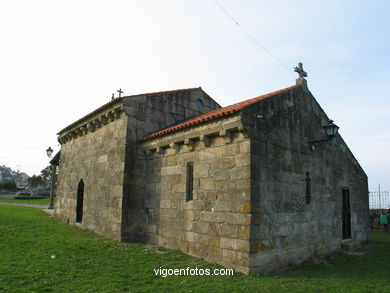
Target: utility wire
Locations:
point(252, 38)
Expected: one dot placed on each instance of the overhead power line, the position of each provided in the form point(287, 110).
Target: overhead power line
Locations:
point(251, 37)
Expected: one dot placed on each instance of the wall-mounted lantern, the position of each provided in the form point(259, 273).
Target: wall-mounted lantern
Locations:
point(331, 131)
point(49, 151)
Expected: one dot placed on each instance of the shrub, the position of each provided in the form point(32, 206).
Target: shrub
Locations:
point(8, 185)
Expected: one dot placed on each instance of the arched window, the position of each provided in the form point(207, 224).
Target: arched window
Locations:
point(80, 200)
point(198, 104)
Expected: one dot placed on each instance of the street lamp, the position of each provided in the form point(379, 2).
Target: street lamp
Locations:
point(49, 151)
point(331, 131)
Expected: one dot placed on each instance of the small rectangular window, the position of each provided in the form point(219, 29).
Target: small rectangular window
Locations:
point(190, 181)
point(346, 215)
point(308, 188)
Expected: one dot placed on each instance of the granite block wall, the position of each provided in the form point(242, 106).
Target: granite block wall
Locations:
point(146, 114)
point(98, 158)
point(215, 224)
point(289, 229)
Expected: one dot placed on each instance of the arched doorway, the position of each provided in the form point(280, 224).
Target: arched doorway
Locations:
point(80, 200)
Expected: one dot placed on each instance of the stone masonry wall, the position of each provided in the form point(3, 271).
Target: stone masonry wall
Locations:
point(249, 209)
point(146, 114)
point(215, 224)
point(98, 158)
point(285, 228)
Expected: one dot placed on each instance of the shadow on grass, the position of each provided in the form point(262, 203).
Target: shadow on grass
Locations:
point(38, 254)
point(371, 264)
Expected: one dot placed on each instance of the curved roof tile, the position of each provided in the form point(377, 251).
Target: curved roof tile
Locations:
point(214, 114)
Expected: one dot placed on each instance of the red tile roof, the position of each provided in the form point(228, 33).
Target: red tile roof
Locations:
point(133, 96)
point(214, 114)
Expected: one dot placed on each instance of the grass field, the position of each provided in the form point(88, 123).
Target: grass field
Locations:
point(39, 255)
point(36, 201)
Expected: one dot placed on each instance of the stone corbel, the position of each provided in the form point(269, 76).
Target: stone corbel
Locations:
point(72, 135)
point(59, 139)
point(97, 123)
point(147, 152)
point(160, 150)
point(117, 113)
point(226, 135)
point(83, 129)
point(77, 132)
point(110, 117)
point(91, 127)
point(243, 133)
point(103, 120)
point(189, 143)
point(205, 140)
point(240, 126)
point(174, 146)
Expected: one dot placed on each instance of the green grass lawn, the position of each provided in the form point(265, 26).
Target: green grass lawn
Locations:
point(36, 201)
point(85, 262)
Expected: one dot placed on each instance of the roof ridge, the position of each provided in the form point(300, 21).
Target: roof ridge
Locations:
point(213, 114)
point(164, 92)
point(132, 96)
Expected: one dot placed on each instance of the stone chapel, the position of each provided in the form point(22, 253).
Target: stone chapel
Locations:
point(253, 186)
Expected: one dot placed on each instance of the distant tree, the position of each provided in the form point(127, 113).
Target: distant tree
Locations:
point(42, 180)
point(46, 175)
point(8, 185)
point(35, 181)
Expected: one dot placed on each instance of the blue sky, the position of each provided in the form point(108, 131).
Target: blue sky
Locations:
point(62, 59)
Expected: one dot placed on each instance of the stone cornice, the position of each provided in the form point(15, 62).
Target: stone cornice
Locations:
point(93, 113)
point(91, 122)
point(203, 133)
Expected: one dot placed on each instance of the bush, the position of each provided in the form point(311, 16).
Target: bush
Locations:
point(35, 181)
point(8, 185)
point(23, 194)
point(43, 193)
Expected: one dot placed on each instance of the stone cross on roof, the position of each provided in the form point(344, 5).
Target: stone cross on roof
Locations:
point(299, 69)
point(120, 92)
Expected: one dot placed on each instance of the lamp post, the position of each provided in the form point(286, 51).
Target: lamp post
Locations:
point(331, 131)
point(49, 151)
